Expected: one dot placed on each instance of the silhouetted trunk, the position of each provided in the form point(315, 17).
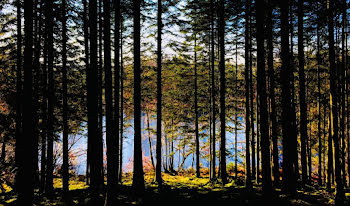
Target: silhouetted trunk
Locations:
point(86, 60)
point(196, 106)
point(302, 99)
point(221, 33)
point(247, 91)
point(289, 176)
point(159, 95)
point(36, 86)
point(51, 96)
point(339, 200)
point(343, 89)
point(44, 119)
point(65, 165)
point(116, 84)
point(330, 170)
point(213, 176)
point(24, 182)
point(19, 89)
point(96, 176)
point(273, 114)
point(112, 153)
point(150, 141)
point(121, 103)
point(138, 179)
point(100, 83)
point(261, 85)
point(320, 153)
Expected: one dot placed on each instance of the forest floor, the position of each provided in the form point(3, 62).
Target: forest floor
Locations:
point(183, 189)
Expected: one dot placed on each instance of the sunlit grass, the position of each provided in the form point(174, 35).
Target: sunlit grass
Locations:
point(74, 184)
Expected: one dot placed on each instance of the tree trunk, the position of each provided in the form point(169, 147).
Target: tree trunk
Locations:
point(121, 103)
point(24, 182)
point(261, 85)
point(65, 166)
point(86, 51)
point(289, 176)
point(221, 33)
point(339, 200)
point(302, 99)
point(273, 114)
point(247, 92)
point(96, 158)
point(138, 179)
point(116, 87)
point(51, 96)
point(159, 94)
point(196, 106)
point(213, 176)
point(112, 150)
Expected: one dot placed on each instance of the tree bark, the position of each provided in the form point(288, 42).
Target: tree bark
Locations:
point(138, 178)
point(159, 95)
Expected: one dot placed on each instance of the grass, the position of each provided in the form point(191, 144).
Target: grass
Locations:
point(183, 189)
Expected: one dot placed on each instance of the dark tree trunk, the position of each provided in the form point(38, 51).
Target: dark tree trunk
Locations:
point(116, 85)
point(44, 119)
point(138, 179)
point(24, 182)
point(289, 176)
point(330, 169)
point(86, 51)
point(159, 95)
point(320, 153)
point(221, 33)
point(247, 92)
point(149, 140)
point(302, 99)
point(51, 96)
point(100, 83)
point(213, 176)
point(36, 87)
point(65, 166)
point(343, 90)
point(112, 150)
point(121, 103)
point(339, 200)
point(19, 88)
point(96, 176)
point(196, 105)
point(273, 114)
point(261, 85)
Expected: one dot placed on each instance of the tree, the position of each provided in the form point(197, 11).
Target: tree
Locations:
point(302, 98)
point(289, 176)
point(221, 33)
point(65, 165)
point(138, 180)
point(261, 83)
point(273, 113)
point(213, 161)
point(159, 95)
point(112, 150)
point(334, 106)
point(116, 113)
point(96, 177)
point(25, 184)
point(247, 90)
point(51, 96)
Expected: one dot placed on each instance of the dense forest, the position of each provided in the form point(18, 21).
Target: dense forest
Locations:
point(122, 102)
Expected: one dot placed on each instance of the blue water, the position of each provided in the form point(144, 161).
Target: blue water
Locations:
point(128, 146)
